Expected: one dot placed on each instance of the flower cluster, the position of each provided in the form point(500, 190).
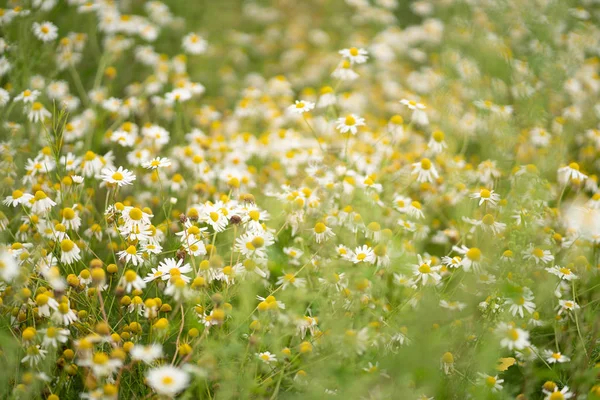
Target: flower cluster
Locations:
point(218, 202)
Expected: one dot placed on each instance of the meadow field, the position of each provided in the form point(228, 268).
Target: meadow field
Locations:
point(317, 199)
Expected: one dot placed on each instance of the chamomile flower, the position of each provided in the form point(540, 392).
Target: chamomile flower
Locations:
point(46, 31)
point(119, 177)
point(363, 254)
point(562, 394)
point(322, 232)
point(425, 171)
point(267, 357)
point(512, 337)
point(491, 382)
point(571, 173)
point(564, 273)
point(487, 197)
point(131, 280)
point(18, 198)
point(555, 357)
point(538, 255)
point(70, 252)
point(194, 44)
point(349, 123)
point(419, 116)
point(146, 354)
point(355, 55)
point(424, 272)
point(301, 106)
point(158, 162)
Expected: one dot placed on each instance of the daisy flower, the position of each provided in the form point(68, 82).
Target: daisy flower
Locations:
point(564, 273)
point(571, 173)
point(486, 196)
point(41, 203)
point(27, 96)
point(538, 255)
point(355, 55)
point(567, 305)
point(146, 354)
point(194, 44)
point(18, 198)
point(322, 232)
point(301, 106)
point(512, 337)
point(553, 358)
point(472, 257)
point(131, 280)
point(419, 115)
point(69, 252)
point(350, 123)
point(363, 254)
point(267, 357)
point(38, 113)
point(131, 255)
point(559, 394)
point(425, 171)
point(491, 382)
point(424, 272)
point(288, 279)
point(120, 176)
point(54, 337)
point(437, 143)
point(157, 162)
point(46, 31)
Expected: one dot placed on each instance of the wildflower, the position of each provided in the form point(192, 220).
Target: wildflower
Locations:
point(447, 362)
point(491, 382)
point(146, 354)
point(363, 254)
point(54, 337)
point(194, 44)
point(9, 268)
point(46, 31)
point(41, 203)
point(538, 255)
point(27, 96)
point(131, 280)
point(553, 358)
point(70, 253)
point(120, 176)
point(425, 171)
point(512, 337)
point(37, 113)
point(167, 380)
point(267, 357)
point(486, 196)
point(355, 55)
point(571, 173)
point(437, 143)
point(559, 394)
point(157, 162)
point(290, 279)
point(322, 232)
point(424, 272)
point(350, 123)
point(131, 255)
point(472, 257)
point(301, 107)
point(419, 116)
point(562, 272)
point(567, 305)
point(18, 198)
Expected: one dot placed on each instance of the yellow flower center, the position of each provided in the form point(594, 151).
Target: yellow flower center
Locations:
point(67, 245)
point(474, 254)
